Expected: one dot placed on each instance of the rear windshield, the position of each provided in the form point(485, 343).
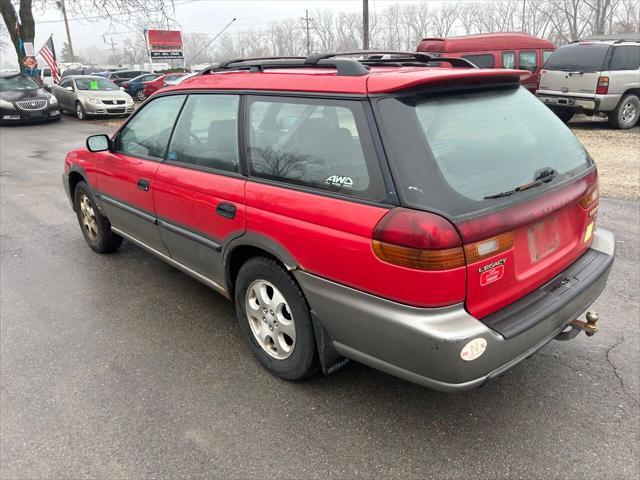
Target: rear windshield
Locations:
point(451, 151)
point(581, 57)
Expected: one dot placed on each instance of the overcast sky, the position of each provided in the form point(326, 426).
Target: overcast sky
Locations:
point(203, 16)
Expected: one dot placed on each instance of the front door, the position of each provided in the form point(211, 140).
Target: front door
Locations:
point(126, 177)
point(199, 191)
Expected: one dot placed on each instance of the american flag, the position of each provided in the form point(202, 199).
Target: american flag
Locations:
point(48, 52)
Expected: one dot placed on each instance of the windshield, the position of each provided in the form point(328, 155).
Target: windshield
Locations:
point(580, 57)
point(18, 82)
point(450, 151)
point(95, 84)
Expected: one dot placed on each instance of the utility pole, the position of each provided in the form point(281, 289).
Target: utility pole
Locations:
point(365, 24)
point(113, 49)
point(307, 22)
point(66, 26)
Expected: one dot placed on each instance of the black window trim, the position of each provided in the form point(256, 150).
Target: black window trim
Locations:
point(390, 198)
point(491, 54)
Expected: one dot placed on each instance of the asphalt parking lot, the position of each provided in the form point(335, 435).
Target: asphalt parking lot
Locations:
point(120, 366)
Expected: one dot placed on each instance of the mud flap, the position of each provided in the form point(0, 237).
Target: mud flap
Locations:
point(330, 360)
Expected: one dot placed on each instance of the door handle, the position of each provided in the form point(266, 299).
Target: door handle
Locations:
point(143, 184)
point(226, 210)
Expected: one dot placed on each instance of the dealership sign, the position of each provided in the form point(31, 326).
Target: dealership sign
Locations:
point(164, 44)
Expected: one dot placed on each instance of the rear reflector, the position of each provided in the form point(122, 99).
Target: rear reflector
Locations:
point(603, 85)
point(590, 198)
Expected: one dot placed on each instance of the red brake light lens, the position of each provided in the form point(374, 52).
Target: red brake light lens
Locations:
point(419, 240)
point(603, 85)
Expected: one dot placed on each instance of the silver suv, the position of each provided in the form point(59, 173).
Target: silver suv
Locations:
point(598, 76)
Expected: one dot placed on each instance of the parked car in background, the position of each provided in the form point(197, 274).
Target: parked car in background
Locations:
point(599, 76)
point(90, 95)
point(46, 79)
point(496, 50)
point(357, 208)
point(79, 71)
point(23, 100)
point(162, 81)
point(120, 76)
point(135, 86)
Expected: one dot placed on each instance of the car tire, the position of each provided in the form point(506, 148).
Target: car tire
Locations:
point(275, 319)
point(564, 115)
point(141, 96)
point(80, 113)
point(626, 113)
point(96, 228)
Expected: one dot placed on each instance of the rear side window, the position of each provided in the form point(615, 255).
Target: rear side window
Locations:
point(206, 133)
point(322, 144)
point(450, 151)
point(508, 60)
point(545, 55)
point(147, 133)
point(625, 57)
point(528, 61)
point(578, 57)
point(481, 61)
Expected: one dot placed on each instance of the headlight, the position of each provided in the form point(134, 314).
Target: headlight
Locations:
point(5, 104)
point(94, 101)
point(129, 101)
point(53, 100)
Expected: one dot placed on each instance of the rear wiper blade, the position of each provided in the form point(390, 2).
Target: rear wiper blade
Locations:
point(544, 175)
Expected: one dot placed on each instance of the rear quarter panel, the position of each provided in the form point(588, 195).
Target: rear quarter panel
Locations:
point(331, 238)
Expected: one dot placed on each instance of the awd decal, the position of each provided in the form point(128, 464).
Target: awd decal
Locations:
point(340, 181)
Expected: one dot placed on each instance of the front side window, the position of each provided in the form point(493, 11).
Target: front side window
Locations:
point(323, 144)
point(625, 57)
point(528, 61)
point(206, 133)
point(481, 61)
point(545, 55)
point(148, 132)
point(508, 60)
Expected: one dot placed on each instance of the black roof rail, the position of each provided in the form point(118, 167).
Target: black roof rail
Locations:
point(347, 66)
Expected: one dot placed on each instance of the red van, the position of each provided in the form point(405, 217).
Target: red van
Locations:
point(496, 50)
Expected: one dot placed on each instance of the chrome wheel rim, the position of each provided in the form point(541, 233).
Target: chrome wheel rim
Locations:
point(141, 95)
point(89, 222)
point(628, 113)
point(79, 111)
point(270, 319)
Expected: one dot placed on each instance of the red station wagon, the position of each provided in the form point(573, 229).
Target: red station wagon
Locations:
point(434, 223)
point(496, 50)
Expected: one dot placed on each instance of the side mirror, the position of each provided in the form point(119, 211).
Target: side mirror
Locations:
point(122, 88)
point(98, 143)
point(70, 88)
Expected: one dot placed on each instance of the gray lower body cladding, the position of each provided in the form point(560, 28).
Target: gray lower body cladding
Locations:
point(423, 345)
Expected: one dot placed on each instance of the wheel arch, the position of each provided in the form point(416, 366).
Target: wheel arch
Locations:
point(250, 245)
point(75, 176)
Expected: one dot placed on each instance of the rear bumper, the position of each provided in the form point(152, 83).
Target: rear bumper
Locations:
point(424, 345)
point(579, 104)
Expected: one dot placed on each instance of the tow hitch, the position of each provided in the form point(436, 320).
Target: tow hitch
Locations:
point(589, 327)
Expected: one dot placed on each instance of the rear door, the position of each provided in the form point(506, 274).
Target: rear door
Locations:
point(574, 69)
point(199, 190)
point(126, 177)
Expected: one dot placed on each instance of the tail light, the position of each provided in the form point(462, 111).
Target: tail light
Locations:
point(591, 197)
point(603, 85)
point(419, 240)
point(425, 241)
point(124, 85)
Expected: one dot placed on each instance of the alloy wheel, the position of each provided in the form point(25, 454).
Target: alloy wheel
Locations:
point(628, 113)
point(89, 222)
point(270, 319)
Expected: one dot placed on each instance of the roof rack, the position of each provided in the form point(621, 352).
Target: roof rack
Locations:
point(345, 63)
